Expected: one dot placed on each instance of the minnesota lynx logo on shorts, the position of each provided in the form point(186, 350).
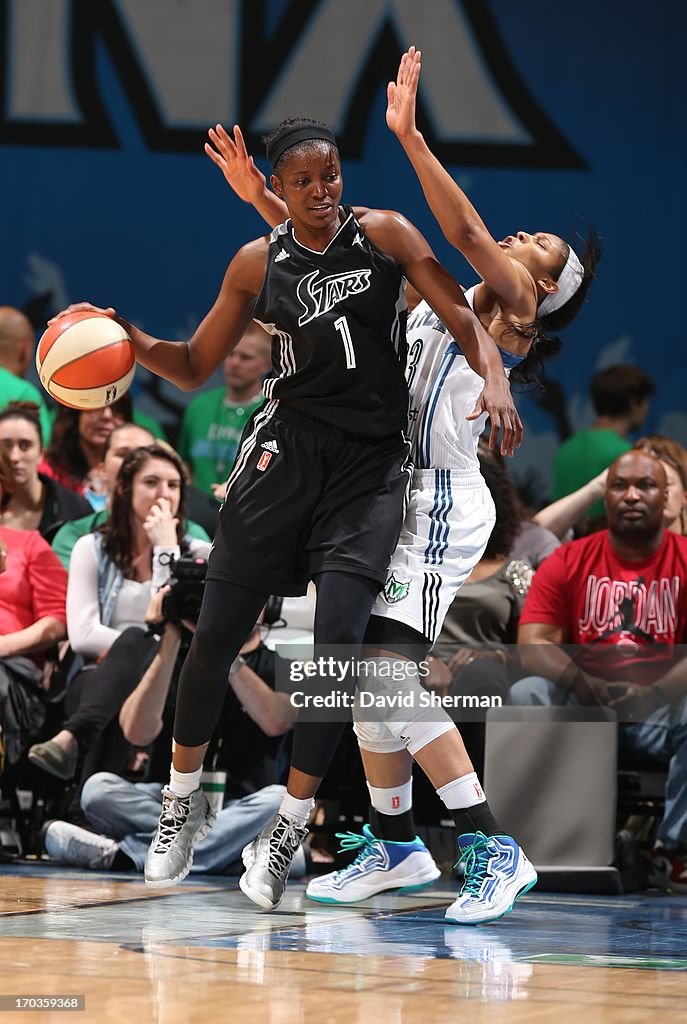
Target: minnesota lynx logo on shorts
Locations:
point(395, 590)
point(319, 296)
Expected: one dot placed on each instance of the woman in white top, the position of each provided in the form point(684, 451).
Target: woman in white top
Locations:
point(113, 573)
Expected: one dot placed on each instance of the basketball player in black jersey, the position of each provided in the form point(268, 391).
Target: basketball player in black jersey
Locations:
point(319, 484)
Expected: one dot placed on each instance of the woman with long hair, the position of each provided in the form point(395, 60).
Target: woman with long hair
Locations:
point(75, 453)
point(113, 573)
point(37, 502)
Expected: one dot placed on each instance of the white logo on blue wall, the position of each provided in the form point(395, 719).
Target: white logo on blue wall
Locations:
point(172, 102)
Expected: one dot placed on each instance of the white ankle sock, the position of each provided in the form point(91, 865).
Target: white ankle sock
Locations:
point(392, 801)
point(184, 783)
point(296, 810)
point(463, 792)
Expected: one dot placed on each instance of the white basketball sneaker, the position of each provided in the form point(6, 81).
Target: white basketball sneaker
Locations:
point(380, 865)
point(268, 860)
point(184, 821)
point(496, 873)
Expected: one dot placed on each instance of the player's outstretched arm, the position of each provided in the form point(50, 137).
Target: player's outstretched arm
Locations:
point(247, 180)
point(457, 217)
point(396, 236)
point(189, 364)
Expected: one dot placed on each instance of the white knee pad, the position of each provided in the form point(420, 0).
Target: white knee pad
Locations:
point(391, 713)
point(420, 733)
point(377, 738)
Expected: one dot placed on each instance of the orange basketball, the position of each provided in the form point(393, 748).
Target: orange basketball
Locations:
point(85, 360)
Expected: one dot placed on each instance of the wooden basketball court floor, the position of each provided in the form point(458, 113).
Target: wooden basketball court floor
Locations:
point(201, 953)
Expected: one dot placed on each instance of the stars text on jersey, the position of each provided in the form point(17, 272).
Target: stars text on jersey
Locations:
point(319, 293)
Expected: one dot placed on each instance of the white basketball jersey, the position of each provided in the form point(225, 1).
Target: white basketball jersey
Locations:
point(443, 391)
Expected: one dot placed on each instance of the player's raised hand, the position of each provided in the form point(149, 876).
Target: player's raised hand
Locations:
point(84, 307)
point(401, 94)
point(497, 401)
point(235, 163)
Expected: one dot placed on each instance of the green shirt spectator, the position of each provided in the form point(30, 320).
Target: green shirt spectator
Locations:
point(582, 457)
point(210, 433)
point(213, 422)
point(143, 419)
point(16, 389)
point(620, 395)
point(17, 342)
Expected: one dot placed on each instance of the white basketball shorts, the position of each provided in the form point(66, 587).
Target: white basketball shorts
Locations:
point(448, 523)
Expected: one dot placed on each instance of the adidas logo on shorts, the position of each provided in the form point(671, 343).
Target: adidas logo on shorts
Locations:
point(270, 446)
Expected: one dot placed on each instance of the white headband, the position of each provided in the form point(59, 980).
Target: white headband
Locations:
point(569, 281)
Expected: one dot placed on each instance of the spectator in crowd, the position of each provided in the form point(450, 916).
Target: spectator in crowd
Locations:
point(534, 540)
point(619, 596)
point(149, 423)
point(620, 395)
point(121, 441)
point(213, 421)
point(33, 587)
point(562, 515)
point(77, 444)
point(673, 458)
point(16, 350)
point(37, 502)
point(248, 746)
point(112, 574)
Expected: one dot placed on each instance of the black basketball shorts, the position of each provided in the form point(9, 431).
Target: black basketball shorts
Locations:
point(304, 499)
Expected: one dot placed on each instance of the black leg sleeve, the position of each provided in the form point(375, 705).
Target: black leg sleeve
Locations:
point(344, 603)
point(227, 615)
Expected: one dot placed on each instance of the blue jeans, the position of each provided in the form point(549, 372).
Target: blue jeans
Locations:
point(129, 812)
point(662, 737)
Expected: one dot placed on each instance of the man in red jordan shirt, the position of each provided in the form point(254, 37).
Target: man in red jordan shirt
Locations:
point(603, 623)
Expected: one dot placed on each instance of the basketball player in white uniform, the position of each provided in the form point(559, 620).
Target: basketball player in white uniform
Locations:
point(530, 284)
point(451, 512)
point(448, 523)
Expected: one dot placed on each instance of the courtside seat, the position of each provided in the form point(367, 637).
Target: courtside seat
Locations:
point(551, 778)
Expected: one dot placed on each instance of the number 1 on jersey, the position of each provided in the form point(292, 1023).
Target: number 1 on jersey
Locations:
point(342, 326)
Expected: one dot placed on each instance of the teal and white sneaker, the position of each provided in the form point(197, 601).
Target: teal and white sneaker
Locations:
point(496, 873)
point(380, 865)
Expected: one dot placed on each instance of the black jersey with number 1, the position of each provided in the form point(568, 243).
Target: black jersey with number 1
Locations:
point(337, 320)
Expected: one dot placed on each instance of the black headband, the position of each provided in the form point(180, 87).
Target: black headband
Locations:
point(292, 136)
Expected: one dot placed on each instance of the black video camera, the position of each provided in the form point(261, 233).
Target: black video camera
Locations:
point(187, 580)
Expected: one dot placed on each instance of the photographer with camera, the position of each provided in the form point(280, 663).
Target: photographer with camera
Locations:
point(249, 748)
point(113, 573)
